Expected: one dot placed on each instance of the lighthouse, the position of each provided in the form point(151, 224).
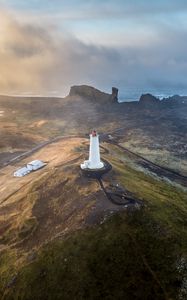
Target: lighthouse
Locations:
point(94, 162)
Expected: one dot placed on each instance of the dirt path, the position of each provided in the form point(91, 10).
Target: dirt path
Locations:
point(35, 149)
point(155, 168)
point(119, 197)
point(56, 154)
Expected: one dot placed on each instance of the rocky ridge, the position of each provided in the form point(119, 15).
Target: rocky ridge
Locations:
point(93, 94)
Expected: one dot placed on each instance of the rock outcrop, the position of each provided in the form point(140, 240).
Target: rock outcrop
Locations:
point(93, 94)
point(148, 100)
point(114, 94)
point(176, 99)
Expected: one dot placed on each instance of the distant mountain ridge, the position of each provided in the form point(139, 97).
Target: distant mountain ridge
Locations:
point(148, 100)
point(95, 95)
point(27, 121)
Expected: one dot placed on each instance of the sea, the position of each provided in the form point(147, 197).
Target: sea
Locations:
point(126, 94)
point(134, 93)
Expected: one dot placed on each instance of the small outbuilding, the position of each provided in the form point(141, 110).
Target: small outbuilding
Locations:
point(31, 166)
point(35, 165)
point(21, 172)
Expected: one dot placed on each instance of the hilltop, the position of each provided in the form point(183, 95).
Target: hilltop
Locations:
point(61, 238)
point(55, 220)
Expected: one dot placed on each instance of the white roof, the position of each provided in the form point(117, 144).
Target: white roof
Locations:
point(31, 166)
point(21, 172)
point(36, 162)
point(24, 169)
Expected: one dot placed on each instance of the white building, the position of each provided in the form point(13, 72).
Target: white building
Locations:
point(31, 166)
point(94, 161)
point(35, 165)
point(21, 172)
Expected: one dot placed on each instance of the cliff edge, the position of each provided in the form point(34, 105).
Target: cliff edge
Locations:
point(93, 94)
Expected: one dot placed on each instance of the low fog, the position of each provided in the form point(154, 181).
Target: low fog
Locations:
point(43, 59)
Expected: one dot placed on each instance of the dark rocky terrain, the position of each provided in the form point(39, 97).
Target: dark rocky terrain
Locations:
point(147, 124)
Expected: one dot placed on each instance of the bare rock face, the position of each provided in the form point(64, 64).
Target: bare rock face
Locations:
point(114, 94)
point(89, 93)
point(148, 100)
point(93, 94)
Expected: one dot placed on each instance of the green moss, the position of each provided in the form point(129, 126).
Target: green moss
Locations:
point(167, 204)
point(7, 268)
point(126, 258)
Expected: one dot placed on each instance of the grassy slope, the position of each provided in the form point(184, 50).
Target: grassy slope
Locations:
point(126, 258)
point(167, 204)
point(131, 256)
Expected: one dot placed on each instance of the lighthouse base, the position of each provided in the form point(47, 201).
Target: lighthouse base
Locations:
point(98, 172)
point(89, 165)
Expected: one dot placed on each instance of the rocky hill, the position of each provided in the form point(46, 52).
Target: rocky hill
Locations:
point(93, 94)
point(148, 100)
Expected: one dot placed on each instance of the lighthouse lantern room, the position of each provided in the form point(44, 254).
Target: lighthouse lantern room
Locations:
point(94, 161)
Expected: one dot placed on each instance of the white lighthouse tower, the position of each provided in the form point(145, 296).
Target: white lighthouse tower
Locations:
point(94, 161)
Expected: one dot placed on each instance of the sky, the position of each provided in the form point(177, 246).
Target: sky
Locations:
point(48, 46)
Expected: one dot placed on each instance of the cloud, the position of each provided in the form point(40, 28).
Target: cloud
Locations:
point(42, 59)
point(39, 59)
point(25, 54)
point(100, 8)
